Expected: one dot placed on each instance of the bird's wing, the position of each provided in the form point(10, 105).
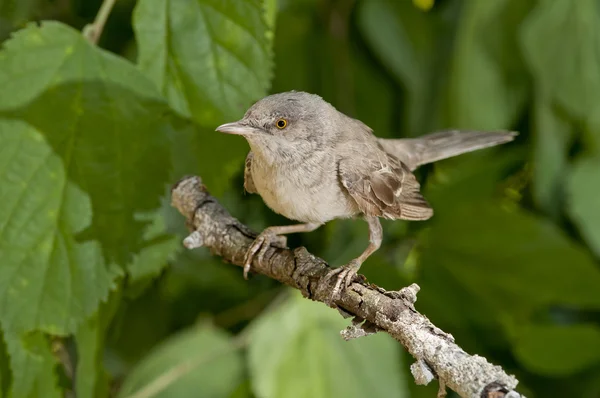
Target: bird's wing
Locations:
point(384, 188)
point(248, 182)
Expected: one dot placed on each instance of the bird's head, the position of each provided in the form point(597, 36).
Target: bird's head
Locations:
point(288, 124)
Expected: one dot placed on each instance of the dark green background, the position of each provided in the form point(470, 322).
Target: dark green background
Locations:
point(98, 298)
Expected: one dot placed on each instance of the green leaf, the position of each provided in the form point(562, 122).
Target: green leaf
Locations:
point(558, 351)
point(270, 15)
point(403, 38)
point(488, 82)
point(215, 156)
point(312, 360)
point(210, 58)
point(561, 42)
point(510, 261)
point(584, 194)
point(91, 378)
point(85, 159)
point(48, 280)
point(552, 140)
point(449, 81)
point(151, 260)
point(487, 254)
point(33, 366)
point(198, 362)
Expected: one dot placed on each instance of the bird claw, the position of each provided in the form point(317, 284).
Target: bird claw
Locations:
point(345, 275)
point(260, 245)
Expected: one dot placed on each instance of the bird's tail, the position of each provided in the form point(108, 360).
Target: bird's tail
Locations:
point(415, 152)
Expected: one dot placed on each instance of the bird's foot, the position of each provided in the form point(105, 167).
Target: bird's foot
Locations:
point(260, 245)
point(344, 275)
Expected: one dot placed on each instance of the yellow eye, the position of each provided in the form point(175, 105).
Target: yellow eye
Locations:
point(281, 124)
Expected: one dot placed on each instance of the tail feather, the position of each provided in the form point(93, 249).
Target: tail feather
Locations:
point(415, 152)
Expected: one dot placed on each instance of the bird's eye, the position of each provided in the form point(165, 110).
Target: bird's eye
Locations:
point(281, 123)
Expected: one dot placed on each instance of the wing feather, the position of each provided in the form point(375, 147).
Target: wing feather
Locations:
point(384, 189)
point(248, 181)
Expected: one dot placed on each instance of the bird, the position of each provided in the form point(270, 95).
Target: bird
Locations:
point(312, 164)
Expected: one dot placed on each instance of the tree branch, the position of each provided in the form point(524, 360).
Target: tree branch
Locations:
point(373, 309)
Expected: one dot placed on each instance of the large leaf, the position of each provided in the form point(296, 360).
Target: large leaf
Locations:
point(488, 83)
point(561, 43)
point(210, 58)
point(85, 161)
point(554, 351)
point(33, 366)
point(482, 241)
point(296, 351)
point(48, 280)
point(488, 254)
point(199, 362)
point(404, 39)
point(583, 200)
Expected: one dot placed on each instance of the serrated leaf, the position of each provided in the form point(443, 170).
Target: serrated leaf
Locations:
point(150, 261)
point(583, 200)
point(85, 155)
point(558, 351)
point(48, 280)
point(296, 351)
point(33, 366)
point(210, 58)
point(199, 362)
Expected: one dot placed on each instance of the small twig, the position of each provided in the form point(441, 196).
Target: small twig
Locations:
point(373, 308)
point(93, 31)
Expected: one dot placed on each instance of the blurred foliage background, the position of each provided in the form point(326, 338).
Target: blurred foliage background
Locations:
point(98, 299)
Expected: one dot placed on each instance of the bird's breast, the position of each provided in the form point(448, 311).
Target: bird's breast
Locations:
point(306, 190)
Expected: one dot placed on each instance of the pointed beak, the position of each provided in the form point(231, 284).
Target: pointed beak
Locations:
point(236, 128)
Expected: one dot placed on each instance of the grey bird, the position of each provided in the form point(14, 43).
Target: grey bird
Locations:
point(311, 163)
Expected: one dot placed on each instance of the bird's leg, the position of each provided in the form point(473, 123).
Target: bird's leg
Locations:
point(272, 235)
point(346, 273)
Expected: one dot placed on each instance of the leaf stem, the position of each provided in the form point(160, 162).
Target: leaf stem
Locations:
point(93, 31)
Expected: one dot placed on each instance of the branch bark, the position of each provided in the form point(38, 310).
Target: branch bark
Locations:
point(373, 308)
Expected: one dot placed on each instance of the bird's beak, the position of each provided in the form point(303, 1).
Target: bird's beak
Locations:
point(236, 128)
